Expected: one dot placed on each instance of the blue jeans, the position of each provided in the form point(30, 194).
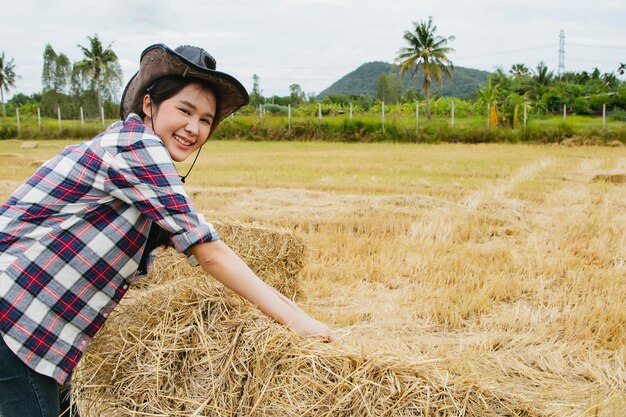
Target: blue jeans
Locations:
point(25, 393)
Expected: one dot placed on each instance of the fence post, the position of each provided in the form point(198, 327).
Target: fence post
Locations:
point(452, 113)
point(564, 111)
point(82, 116)
point(102, 114)
point(488, 115)
point(417, 116)
point(383, 108)
point(39, 118)
point(289, 118)
point(319, 112)
point(603, 115)
point(59, 116)
point(350, 111)
point(524, 117)
point(17, 115)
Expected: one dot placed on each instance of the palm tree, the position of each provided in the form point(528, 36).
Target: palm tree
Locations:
point(99, 62)
point(7, 79)
point(500, 77)
point(519, 70)
point(542, 76)
point(428, 50)
point(489, 93)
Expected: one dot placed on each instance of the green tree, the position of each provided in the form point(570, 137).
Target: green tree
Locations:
point(542, 75)
point(296, 94)
point(255, 96)
point(389, 88)
point(56, 72)
point(581, 106)
point(540, 82)
point(410, 95)
point(501, 78)
point(610, 80)
point(428, 50)
point(489, 93)
point(7, 79)
point(519, 70)
point(101, 64)
point(339, 99)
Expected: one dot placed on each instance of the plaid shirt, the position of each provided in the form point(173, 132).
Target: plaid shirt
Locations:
point(72, 236)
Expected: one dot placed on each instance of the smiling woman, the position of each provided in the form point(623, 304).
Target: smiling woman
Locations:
point(82, 228)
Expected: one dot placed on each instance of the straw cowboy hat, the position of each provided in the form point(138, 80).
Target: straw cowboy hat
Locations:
point(159, 61)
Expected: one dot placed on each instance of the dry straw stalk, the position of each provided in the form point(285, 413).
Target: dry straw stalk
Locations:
point(193, 348)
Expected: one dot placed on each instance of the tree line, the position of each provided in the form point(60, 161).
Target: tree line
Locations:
point(92, 84)
point(505, 93)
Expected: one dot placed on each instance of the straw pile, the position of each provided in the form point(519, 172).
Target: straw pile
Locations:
point(193, 348)
point(275, 255)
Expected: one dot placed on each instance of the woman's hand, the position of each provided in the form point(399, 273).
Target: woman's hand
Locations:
point(304, 325)
point(222, 263)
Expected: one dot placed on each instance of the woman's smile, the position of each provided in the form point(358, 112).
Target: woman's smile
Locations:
point(182, 140)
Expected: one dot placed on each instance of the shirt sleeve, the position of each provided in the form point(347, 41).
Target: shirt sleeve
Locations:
point(143, 175)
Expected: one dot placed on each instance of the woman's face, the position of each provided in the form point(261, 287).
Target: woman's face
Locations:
point(184, 120)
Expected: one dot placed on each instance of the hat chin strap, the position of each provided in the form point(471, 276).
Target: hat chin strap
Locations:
point(182, 177)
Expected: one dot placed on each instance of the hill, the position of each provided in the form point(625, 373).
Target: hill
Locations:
point(364, 80)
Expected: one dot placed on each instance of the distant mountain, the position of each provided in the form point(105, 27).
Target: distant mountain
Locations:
point(364, 80)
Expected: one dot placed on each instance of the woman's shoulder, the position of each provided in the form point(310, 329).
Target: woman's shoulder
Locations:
point(131, 132)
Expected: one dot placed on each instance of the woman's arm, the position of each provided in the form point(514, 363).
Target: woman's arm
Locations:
point(221, 262)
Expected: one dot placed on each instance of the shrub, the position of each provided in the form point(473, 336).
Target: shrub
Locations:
point(581, 106)
point(8, 132)
point(619, 115)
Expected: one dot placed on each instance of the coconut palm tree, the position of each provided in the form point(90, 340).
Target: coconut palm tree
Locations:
point(519, 70)
point(428, 50)
point(490, 93)
point(543, 76)
point(99, 62)
point(7, 79)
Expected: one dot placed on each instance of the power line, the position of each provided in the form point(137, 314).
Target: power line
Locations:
point(596, 46)
point(511, 51)
point(595, 60)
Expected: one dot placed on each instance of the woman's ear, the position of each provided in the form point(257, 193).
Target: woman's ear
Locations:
point(147, 105)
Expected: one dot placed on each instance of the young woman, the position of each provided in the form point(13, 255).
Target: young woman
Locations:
point(82, 228)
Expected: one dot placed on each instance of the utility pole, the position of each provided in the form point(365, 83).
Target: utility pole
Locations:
point(561, 52)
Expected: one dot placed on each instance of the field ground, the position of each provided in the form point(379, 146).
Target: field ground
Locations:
point(505, 262)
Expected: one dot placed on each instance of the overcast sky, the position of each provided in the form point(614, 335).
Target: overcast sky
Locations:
point(314, 42)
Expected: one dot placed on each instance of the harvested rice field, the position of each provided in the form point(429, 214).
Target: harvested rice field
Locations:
point(462, 280)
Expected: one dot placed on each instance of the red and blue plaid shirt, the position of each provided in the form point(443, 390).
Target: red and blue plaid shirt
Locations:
point(72, 236)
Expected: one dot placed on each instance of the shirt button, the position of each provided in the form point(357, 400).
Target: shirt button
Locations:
point(125, 286)
point(105, 315)
point(83, 343)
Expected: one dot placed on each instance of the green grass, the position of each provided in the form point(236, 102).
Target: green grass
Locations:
point(362, 128)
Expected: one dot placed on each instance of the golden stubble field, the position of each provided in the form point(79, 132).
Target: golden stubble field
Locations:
point(507, 263)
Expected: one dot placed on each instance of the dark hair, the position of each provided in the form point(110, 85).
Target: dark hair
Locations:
point(167, 87)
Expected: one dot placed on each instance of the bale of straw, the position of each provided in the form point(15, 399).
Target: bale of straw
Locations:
point(192, 348)
point(276, 255)
point(30, 145)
